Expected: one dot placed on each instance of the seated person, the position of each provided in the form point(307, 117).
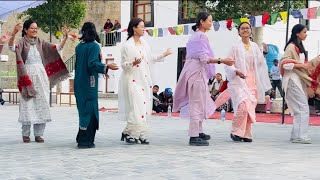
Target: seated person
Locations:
point(166, 99)
point(156, 101)
point(216, 86)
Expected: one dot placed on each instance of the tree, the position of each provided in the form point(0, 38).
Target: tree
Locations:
point(227, 9)
point(64, 13)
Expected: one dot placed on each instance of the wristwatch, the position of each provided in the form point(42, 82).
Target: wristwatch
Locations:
point(219, 60)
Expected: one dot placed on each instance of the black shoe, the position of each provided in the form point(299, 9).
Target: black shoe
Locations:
point(204, 136)
point(144, 141)
point(197, 141)
point(86, 146)
point(128, 138)
point(246, 140)
point(235, 137)
point(2, 102)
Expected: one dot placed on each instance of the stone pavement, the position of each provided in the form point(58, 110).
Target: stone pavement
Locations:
point(270, 156)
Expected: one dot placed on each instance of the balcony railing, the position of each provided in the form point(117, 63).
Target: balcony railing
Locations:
point(110, 38)
point(70, 63)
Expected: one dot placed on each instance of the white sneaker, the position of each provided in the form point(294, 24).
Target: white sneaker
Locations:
point(301, 141)
point(268, 112)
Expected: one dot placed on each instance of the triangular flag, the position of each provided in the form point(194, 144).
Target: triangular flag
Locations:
point(165, 32)
point(296, 14)
point(178, 30)
point(216, 25)
point(160, 32)
point(171, 30)
point(155, 32)
point(273, 18)
point(224, 25)
point(312, 13)
point(265, 18)
point(150, 32)
point(236, 21)
point(244, 20)
point(186, 30)
point(252, 20)
point(318, 12)
point(229, 24)
point(283, 16)
point(258, 21)
point(304, 13)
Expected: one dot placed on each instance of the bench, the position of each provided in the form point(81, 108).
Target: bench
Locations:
point(70, 94)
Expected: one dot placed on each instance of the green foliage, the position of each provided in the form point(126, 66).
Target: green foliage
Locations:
point(8, 73)
point(234, 9)
point(68, 13)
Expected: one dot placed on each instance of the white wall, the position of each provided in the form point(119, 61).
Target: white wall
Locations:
point(166, 14)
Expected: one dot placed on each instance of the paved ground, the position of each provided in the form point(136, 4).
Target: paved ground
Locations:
point(270, 156)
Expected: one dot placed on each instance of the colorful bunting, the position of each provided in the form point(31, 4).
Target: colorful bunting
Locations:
point(296, 14)
point(255, 21)
point(229, 24)
point(244, 20)
point(252, 20)
point(312, 13)
point(283, 16)
point(171, 30)
point(273, 18)
point(304, 13)
point(216, 25)
point(258, 21)
point(185, 30)
point(265, 18)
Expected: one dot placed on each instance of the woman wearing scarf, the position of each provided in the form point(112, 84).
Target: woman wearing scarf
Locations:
point(135, 85)
point(300, 80)
point(192, 97)
point(248, 82)
point(88, 65)
point(39, 67)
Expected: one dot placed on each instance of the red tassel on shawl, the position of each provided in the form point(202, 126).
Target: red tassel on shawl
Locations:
point(54, 67)
point(24, 81)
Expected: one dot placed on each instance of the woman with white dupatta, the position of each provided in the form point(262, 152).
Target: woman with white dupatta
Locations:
point(248, 82)
point(135, 86)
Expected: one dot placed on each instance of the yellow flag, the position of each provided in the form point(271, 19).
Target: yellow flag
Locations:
point(284, 15)
point(155, 32)
point(244, 20)
point(179, 30)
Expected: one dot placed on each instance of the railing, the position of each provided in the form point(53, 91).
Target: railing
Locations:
point(70, 63)
point(110, 38)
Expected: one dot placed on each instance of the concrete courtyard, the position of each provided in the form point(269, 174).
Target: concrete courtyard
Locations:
point(270, 156)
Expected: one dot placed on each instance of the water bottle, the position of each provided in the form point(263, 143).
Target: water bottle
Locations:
point(169, 110)
point(223, 114)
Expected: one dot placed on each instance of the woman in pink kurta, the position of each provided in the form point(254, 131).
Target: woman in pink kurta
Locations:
point(192, 97)
point(248, 82)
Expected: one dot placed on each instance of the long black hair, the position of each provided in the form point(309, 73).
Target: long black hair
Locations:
point(89, 33)
point(134, 22)
point(26, 25)
point(294, 39)
point(201, 16)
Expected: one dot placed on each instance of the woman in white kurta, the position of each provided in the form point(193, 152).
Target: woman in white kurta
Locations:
point(35, 110)
point(135, 86)
point(248, 82)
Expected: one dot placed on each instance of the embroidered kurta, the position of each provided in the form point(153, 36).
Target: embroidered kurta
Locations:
point(135, 86)
point(88, 65)
point(196, 70)
point(238, 86)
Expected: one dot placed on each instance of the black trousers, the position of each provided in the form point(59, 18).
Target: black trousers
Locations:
point(86, 137)
point(277, 84)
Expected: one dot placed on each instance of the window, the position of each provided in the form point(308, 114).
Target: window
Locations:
point(182, 53)
point(143, 9)
point(187, 12)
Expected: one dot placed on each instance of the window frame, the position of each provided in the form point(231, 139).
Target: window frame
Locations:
point(181, 11)
point(134, 14)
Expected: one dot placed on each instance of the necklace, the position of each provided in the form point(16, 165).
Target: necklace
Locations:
point(247, 46)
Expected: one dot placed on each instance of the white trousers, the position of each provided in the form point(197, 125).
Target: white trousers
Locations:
point(298, 104)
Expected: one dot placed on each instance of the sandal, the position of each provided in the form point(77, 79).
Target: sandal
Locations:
point(26, 139)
